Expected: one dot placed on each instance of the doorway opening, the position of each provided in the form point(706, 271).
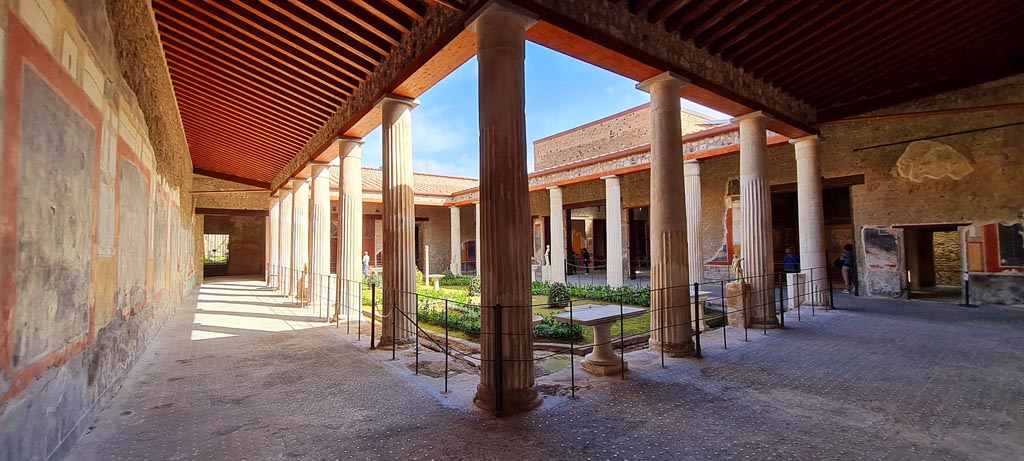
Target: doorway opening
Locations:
point(934, 263)
point(838, 210)
point(216, 254)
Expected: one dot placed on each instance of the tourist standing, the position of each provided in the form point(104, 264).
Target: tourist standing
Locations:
point(366, 264)
point(846, 263)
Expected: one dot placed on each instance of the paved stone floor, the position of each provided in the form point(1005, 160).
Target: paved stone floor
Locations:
point(245, 375)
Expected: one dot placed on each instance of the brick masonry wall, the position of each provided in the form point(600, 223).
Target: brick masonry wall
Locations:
point(948, 268)
point(104, 241)
point(628, 129)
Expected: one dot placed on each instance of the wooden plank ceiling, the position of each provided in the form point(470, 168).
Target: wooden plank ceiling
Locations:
point(255, 80)
point(847, 56)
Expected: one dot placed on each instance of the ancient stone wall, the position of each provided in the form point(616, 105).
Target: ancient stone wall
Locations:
point(436, 232)
point(99, 249)
point(228, 195)
point(615, 133)
point(948, 268)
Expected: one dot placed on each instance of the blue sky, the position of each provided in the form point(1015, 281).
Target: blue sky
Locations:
point(561, 93)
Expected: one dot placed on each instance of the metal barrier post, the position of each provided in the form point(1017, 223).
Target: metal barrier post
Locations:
point(499, 385)
point(782, 310)
point(967, 291)
point(725, 316)
point(394, 327)
point(661, 328)
point(697, 308)
point(416, 330)
point(572, 352)
point(831, 292)
point(446, 348)
point(373, 311)
point(622, 344)
point(357, 288)
point(764, 306)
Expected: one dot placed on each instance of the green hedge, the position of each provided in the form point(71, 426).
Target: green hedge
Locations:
point(633, 296)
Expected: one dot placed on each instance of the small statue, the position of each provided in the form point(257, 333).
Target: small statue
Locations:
point(547, 256)
point(737, 267)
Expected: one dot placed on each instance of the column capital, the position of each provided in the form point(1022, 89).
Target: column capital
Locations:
point(812, 138)
point(502, 6)
point(753, 115)
point(318, 167)
point(349, 147)
point(611, 176)
point(394, 98)
point(298, 182)
point(284, 189)
point(646, 85)
point(691, 167)
point(555, 188)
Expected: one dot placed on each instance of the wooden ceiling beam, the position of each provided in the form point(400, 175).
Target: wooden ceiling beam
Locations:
point(690, 13)
point(847, 37)
point(234, 105)
point(243, 115)
point(232, 178)
point(380, 11)
point(347, 39)
point(907, 61)
point(410, 8)
point(182, 75)
point(639, 6)
point(663, 9)
point(220, 127)
point(729, 22)
point(797, 24)
point(867, 48)
point(710, 19)
point(239, 74)
point(368, 21)
point(198, 26)
point(761, 25)
point(288, 47)
point(299, 36)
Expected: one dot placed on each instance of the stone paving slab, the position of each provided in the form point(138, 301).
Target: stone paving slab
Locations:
point(878, 379)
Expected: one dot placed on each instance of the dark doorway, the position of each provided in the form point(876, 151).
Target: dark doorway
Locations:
point(934, 262)
point(639, 242)
point(838, 210)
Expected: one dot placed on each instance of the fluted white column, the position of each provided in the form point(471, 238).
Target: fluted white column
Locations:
point(810, 209)
point(477, 250)
point(285, 242)
point(275, 239)
point(756, 211)
point(670, 293)
point(319, 225)
point(300, 237)
point(350, 228)
point(695, 249)
point(557, 234)
point(456, 239)
point(506, 240)
point(399, 220)
point(613, 229)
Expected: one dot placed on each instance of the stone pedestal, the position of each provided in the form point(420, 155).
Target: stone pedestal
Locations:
point(300, 238)
point(350, 227)
point(795, 284)
point(603, 360)
point(558, 242)
point(694, 247)
point(811, 214)
point(737, 300)
point(613, 230)
point(456, 241)
point(285, 242)
point(671, 328)
point(399, 219)
point(506, 237)
point(756, 212)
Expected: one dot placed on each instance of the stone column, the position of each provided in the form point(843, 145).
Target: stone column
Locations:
point(285, 242)
point(476, 246)
point(399, 220)
point(756, 211)
point(557, 235)
point(695, 249)
point(670, 292)
point(456, 238)
point(300, 238)
point(506, 230)
point(350, 227)
point(613, 229)
point(274, 239)
point(811, 213)
point(319, 226)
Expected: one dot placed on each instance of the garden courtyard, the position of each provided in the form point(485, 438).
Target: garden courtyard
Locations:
point(242, 370)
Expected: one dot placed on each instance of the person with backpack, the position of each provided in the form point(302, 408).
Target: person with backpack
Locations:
point(845, 264)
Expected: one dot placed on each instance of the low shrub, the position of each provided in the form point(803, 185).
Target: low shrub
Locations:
point(549, 328)
point(558, 295)
point(453, 280)
point(420, 278)
point(474, 286)
point(540, 288)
